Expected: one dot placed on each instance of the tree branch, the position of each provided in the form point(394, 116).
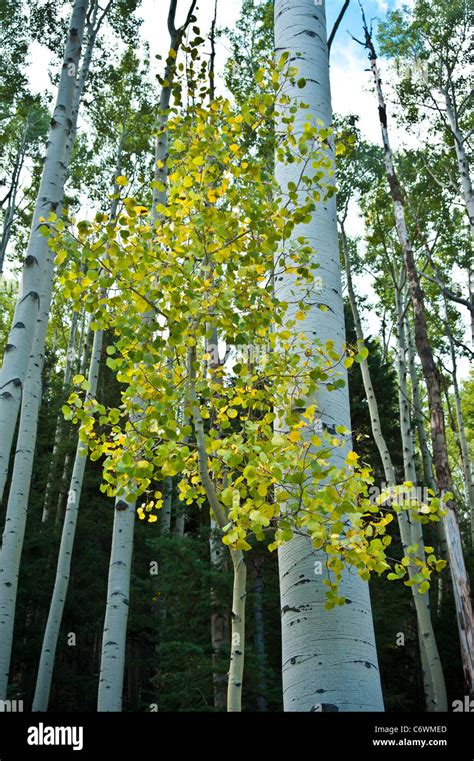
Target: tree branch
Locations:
point(337, 23)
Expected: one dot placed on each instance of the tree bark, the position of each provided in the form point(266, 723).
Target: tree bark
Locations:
point(112, 664)
point(63, 570)
point(38, 265)
point(463, 163)
point(17, 506)
point(220, 627)
point(329, 657)
point(433, 679)
point(437, 423)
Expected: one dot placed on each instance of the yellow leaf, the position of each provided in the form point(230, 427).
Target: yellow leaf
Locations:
point(121, 180)
point(352, 458)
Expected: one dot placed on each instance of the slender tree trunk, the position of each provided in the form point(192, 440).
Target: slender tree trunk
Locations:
point(237, 651)
point(438, 433)
point(433, 679)
point(17, 507)
point(425, 456)
point(38, 265)
point(220, 627)
point(63, 571)
point(329, 657)
point(165, 523)
point(418, 411)
point(112, 664)
point(234, 685)
point(463, 163)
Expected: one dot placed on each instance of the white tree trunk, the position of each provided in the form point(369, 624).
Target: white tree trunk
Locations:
point(112, 664)
point(418, 411)
point(219, 620)
point(329, 657)
point(38, 264)
point(237, 648)
point(459, 576)
point(63, 570)
point(17, 507)
point(433, 677)
point(463, 163)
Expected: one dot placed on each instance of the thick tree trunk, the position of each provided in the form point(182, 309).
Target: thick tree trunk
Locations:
point(38, 266)
point(438, 433)
point(329, 657)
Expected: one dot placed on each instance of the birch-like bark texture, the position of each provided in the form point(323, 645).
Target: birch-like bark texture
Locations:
point(418, 410)
point(329, 657)
point(63, 570)
point(17, 507)
point(236, 669)
point(237, 648)
point(463, 163)
point(112, 663)
point(220, 629)
point(433, 677)
point(37, 265)
point(460, 579)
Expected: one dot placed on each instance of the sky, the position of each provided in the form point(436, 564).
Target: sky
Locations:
point(350, 79)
